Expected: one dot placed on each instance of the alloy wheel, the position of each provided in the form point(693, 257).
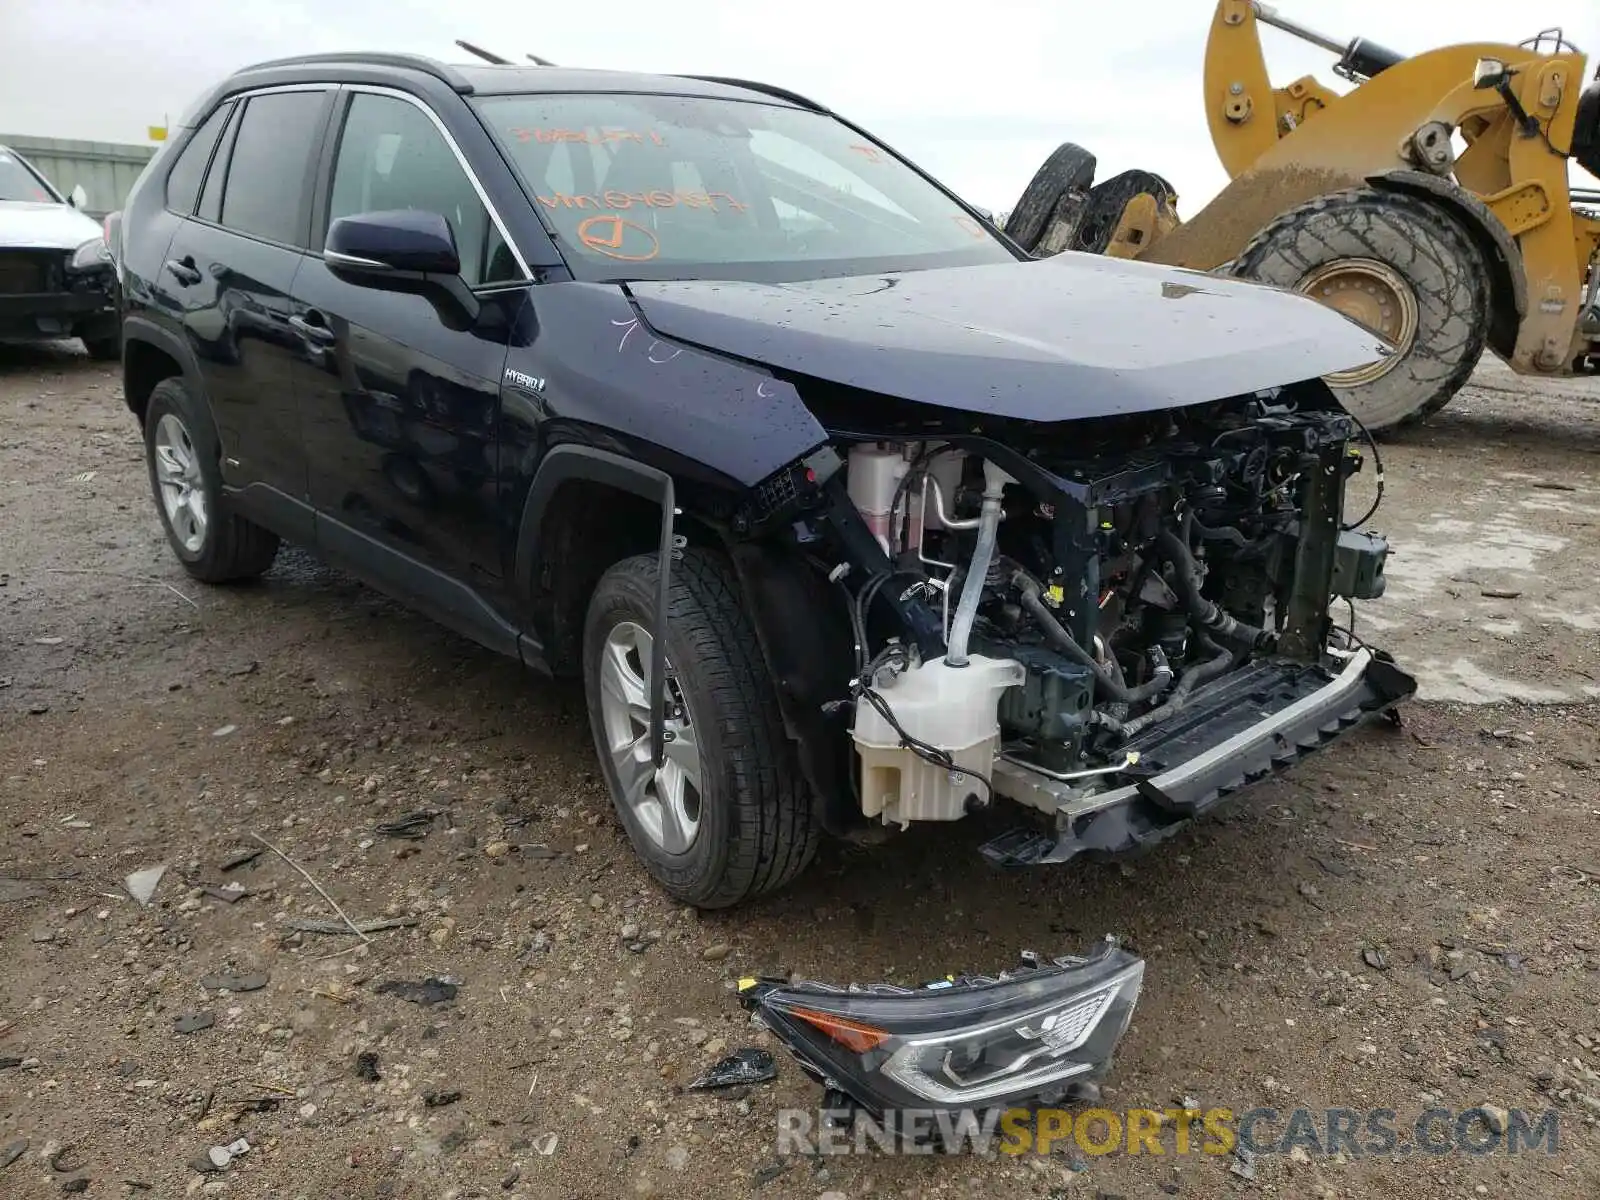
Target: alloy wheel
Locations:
point(665, 800)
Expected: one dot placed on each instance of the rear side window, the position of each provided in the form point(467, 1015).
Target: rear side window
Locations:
point(183, 181)
point(211, 191)
point(266, 187)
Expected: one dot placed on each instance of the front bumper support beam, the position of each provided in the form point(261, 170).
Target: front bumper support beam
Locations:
point(1251, 725)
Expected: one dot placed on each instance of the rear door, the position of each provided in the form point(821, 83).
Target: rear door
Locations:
point(230, 268)
point(399, 395)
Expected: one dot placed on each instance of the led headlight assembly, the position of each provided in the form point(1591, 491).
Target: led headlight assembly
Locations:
point(1025, 1037)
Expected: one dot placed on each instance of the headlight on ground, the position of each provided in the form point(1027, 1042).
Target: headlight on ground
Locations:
point(92, 253)
point(974, 1042)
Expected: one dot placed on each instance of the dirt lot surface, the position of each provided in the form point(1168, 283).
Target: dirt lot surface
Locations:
point(1408, 921)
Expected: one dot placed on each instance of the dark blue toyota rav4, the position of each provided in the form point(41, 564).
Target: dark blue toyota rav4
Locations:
point(847, 512)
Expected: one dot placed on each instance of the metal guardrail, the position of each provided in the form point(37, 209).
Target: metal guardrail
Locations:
point(105, 170)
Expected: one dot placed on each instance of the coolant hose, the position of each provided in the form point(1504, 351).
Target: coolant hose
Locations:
point(1068, 645)
point(1201, 672)
point(994, 482)
point(1207, 615)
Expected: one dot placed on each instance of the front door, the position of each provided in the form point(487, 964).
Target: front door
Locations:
point(399, 391)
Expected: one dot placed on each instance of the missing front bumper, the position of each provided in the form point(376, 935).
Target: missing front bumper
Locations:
point(90, 312)
point(1253, 724)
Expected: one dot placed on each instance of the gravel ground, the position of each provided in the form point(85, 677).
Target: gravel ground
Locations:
point(1425, 932)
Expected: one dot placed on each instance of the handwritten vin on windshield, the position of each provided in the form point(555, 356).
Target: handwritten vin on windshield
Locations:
point(657, 198)
point(593, 137)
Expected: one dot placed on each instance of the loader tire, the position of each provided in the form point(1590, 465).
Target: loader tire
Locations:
point(1398, 265)
point(1068, 170)
point(1109, 199)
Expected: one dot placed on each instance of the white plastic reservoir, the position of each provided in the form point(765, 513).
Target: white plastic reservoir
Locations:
point(952, 708)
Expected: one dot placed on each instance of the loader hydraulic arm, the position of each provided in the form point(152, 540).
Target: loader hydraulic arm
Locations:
point(1359, 58)
point(1245, 112)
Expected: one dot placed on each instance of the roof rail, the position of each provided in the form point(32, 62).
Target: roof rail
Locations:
point(413, 62)
point(768, 88)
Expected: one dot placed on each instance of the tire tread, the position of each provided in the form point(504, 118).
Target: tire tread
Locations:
point(773, 832)
point(1409, 233)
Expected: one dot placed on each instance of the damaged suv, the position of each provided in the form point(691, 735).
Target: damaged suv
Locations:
point(846, 511)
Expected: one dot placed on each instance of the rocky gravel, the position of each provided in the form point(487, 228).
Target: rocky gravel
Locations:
point(1407, 921)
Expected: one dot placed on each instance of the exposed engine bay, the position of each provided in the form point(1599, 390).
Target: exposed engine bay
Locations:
point(1127, 613)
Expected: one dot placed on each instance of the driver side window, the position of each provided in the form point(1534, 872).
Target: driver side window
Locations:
point(391, 157)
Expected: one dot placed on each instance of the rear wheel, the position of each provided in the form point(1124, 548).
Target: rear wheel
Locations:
point(725, 816)
point(213, 544)
point(1401, 267)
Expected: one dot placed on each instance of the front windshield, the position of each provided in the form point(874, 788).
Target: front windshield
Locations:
point(682, 187)
point(19, 183)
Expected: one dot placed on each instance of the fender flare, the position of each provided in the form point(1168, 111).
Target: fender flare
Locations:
point(570, 461)
point(1508, 280)
point(142, 329)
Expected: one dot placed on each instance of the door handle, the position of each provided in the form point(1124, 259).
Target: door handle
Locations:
point(314, 329)
point(184, 270)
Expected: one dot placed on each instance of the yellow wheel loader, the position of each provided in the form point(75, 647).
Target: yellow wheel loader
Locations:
point(1430, 202)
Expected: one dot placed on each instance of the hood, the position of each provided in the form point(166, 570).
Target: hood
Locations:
point(24, 224)
point(1056, 339)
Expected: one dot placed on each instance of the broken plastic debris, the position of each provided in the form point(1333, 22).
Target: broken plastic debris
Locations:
point(235, 983)
point(427, 991)
point(192, 1022)
point(62, 1159)
point(142, 884)
point(239, 859)
point(751, 1065)
point(224, 730)
point(546, 1143)
point(1244, 1165)
point(413, 826)
point(228, 893)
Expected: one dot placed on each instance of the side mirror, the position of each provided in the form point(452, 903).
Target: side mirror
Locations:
point(1490, 73)
point(404, 251)
point(369, 246)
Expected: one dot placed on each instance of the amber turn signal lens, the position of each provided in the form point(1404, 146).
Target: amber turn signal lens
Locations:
point(852, 1035)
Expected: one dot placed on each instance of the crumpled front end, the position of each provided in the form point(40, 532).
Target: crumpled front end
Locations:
point(51, 293)
point(1115, 623)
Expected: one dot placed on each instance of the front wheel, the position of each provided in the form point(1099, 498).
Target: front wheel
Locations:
point(725, 816)
point(1398, 265)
